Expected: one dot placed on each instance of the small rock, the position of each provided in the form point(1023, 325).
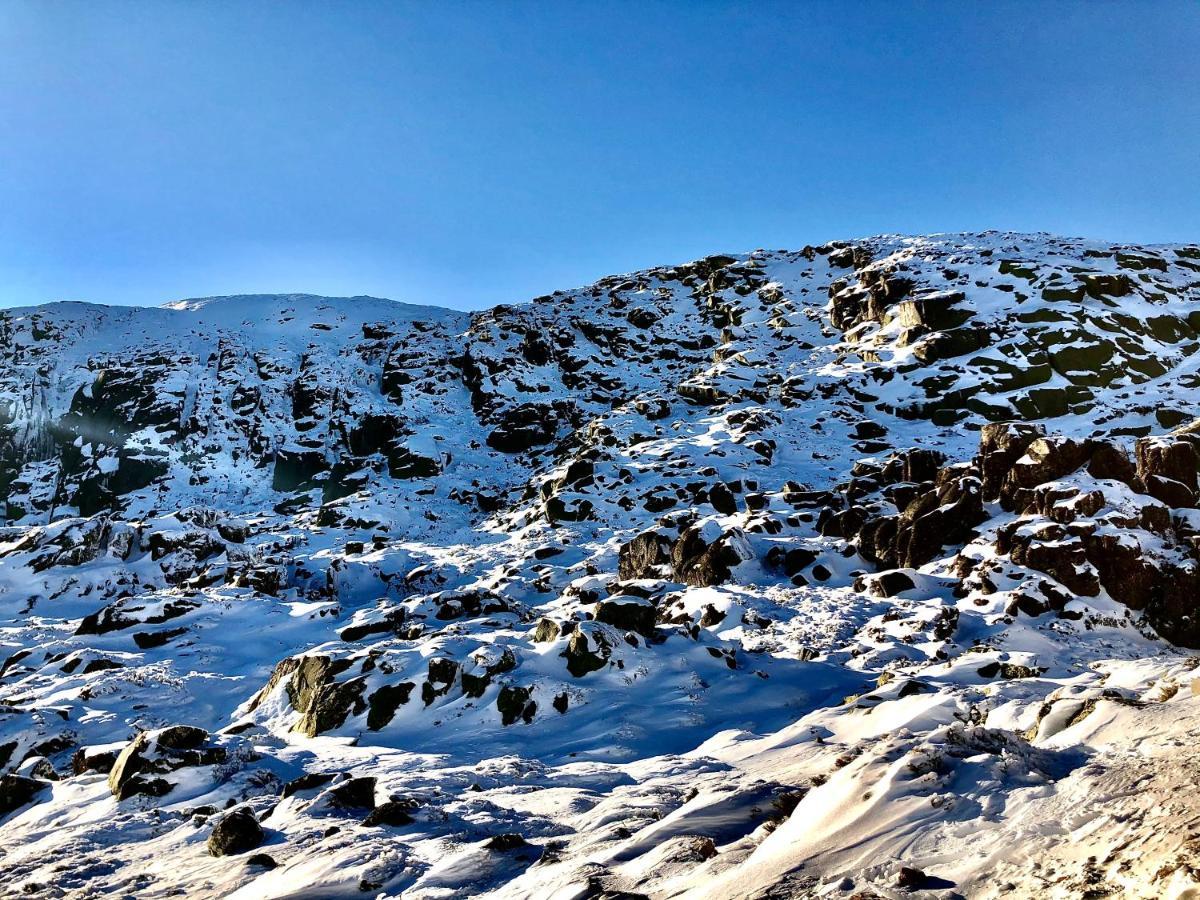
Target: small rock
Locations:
point(910, 878)
point(394, 813)
point(504, 842)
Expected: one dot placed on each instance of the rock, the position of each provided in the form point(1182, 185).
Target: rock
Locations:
point(1000, 445)
point(307, 782)
point(37, 767)
point(911, 879)
point(393, 813)
point(17, 790)
point(262, 861)
point(889, 584)
point(515, 703)
point(547, 630)
point(523, 428)
point(236, 832)
point(639, 317)
point(181, 737)
point(700, 564)
point(148, 640)
point(502, 843)
point(404, 463)
point(588, 650)
point(722, 499)
point(642, 556)
point(1168, 468)
point(155, 753)
point(128, 763)
point(296, 469)
point(791, 561)
point(354, 793)
point(1045, 459)
point(383, 703)
point(942, 515)
point(950, 344)
point(312, 689)
point(1101, 285)
point(1050, 549)
point(1007, 671)
point(628, 613)
point(89, 759)
point(936, 311)
point(1110, 462)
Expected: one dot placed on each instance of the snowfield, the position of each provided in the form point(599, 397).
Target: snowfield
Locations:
point(868, 570)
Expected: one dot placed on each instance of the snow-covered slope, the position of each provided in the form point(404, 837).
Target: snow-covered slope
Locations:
point(864, 570)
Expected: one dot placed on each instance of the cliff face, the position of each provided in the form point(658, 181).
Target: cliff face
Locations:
point(600, 571)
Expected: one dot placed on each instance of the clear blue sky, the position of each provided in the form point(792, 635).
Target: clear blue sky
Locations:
point(476, 153)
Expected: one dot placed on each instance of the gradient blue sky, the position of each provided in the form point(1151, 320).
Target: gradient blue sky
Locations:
point(475, 153)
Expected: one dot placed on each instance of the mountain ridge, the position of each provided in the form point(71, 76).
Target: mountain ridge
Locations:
point(725, 578)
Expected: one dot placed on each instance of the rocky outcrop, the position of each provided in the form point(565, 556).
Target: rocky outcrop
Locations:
point(1094, 522)
point(523, 428)
point(1168, 468)
point(705, 556)
point(314, 691)
point(139, 768)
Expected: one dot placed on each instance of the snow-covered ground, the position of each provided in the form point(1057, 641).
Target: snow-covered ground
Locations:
point(715, 580)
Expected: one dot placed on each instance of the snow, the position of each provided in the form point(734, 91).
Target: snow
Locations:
point(775, 737)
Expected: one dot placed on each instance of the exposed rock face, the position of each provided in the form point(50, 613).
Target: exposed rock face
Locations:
point(944, 514)
point(524, 427)
point(1167, 467)
point(312, 689)
point(1001, 445)
point(1106, 528)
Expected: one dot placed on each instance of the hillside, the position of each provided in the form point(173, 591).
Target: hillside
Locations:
point(865, 570)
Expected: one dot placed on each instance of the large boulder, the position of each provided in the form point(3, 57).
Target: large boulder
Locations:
point(515, 703)
point(943, 514)
point(642, 556)
point(589, 649)
point(236, 832)
point(705, 556)
point(1045, 459)
point(629, 613)
point(1051, 548)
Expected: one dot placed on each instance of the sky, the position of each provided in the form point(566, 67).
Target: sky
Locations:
point(467, 154)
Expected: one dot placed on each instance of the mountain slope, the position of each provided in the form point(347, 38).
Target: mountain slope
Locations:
point(782, 574)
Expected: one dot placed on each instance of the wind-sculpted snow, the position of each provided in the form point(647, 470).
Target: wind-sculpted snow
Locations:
point(866, 570)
